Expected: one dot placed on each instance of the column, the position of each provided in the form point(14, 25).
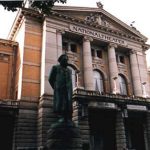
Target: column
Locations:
point(87, 64)
point(113, 69)
point(135, 71)
point(144, 74)
point(120, 132)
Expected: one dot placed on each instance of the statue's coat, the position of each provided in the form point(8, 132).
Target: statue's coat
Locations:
point(61, 81)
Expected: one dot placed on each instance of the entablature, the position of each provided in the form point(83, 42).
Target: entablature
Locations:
point(96, 96)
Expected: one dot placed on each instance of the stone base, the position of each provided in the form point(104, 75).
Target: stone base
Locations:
point(64, 137)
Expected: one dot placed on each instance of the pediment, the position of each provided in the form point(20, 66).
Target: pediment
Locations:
point(99, 17)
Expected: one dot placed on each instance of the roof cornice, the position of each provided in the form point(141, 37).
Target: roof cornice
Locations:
point(8, 43)
point(146, 47)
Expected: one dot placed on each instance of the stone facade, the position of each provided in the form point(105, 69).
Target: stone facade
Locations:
point(111, 83)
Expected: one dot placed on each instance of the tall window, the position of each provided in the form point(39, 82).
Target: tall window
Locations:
point(98, 81)
point(73, 77)
point(123, 86)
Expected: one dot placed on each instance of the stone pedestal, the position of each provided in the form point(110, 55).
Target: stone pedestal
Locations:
point(63, 137)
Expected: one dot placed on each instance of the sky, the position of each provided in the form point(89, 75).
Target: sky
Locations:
point(125, 10)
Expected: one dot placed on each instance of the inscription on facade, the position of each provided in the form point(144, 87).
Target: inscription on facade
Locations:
point(98, 35)
point(137, 107)
point(102, 105)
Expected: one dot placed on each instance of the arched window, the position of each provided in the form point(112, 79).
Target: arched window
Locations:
point(98, 81)
point(73, 76)
point(123, 86)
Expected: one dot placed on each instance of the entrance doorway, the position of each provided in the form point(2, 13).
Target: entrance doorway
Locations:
point(135, 131)
point(102, 127)
point(6, 131)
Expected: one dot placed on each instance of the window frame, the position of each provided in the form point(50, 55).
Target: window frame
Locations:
point(123, 85)
point(100, 86)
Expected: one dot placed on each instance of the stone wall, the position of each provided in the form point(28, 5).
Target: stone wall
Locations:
point(26, 127)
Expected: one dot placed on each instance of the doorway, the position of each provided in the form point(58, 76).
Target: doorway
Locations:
point(135, 131)
point(102, 128)
point(6, 131)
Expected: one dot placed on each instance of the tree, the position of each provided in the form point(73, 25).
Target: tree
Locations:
point(43, 6)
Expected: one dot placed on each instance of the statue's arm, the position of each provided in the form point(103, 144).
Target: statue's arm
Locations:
point(52, 76)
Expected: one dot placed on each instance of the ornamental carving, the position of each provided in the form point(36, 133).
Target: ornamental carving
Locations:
point(99, 4)
point(98, 19)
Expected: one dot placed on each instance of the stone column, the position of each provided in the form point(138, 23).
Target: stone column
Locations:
point(113, 69)
point(137, 87)
point(120, 132)
point(143, 73)
point(87, 64)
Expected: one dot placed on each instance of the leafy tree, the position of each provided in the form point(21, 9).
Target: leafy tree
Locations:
point(43, 6)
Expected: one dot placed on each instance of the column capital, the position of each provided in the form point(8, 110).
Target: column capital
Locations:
point(62, 31)
point(132, 51)
point(145, 47)
point(88, 38)
point(113, 45)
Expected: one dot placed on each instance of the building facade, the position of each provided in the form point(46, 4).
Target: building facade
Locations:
point(111, 83)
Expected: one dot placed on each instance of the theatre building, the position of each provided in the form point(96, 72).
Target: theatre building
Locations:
point(111, 96)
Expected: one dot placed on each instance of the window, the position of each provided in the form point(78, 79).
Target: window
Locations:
point(73, 48)
point(93, 52)
point(96, 53)
point(98, 81)
point(122, 84)
point(99, 53)
point(73, 77)
point(69, 46)
point(65, 46)
point(120, 58)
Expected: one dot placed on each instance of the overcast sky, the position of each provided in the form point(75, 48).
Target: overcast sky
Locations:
point(125, 10)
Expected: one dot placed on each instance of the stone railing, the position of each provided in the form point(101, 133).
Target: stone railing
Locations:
point(82, 92)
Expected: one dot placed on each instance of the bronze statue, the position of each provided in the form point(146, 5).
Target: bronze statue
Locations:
point(60, 80)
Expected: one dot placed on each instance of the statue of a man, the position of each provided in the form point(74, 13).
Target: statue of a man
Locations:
point(60, 79)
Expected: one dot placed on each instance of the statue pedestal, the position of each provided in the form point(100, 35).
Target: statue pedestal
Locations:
point(64, 136)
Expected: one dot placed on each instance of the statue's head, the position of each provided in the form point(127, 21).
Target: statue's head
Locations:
point(63, 60)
